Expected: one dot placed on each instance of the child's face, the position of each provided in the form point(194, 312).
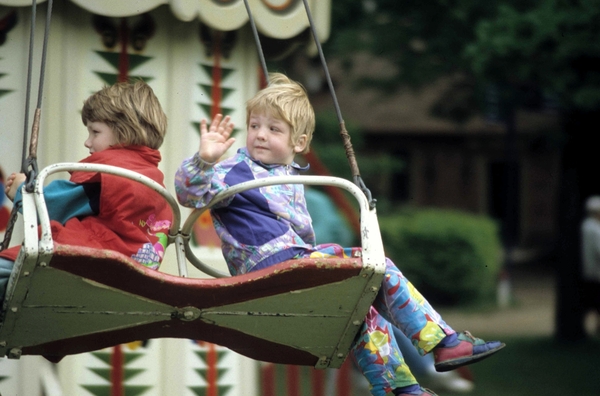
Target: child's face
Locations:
point(100, 137)
point(269, 140)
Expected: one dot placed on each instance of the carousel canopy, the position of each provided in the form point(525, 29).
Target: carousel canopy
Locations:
point(279, 19)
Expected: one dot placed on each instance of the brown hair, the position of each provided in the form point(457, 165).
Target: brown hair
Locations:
point(131, 110)
point(288, 100)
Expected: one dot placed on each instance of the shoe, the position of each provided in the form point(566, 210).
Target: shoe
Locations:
point(468, 350)
point(425, 392)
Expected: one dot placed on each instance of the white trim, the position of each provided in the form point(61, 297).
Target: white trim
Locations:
point(224, 17)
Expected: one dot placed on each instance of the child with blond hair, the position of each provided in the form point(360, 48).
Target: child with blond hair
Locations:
point(268, 225)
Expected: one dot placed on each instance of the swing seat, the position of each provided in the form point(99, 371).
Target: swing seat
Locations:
point(65, 299)
point(88, 299)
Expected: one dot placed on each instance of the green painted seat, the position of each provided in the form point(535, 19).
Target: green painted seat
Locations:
point(65, 299)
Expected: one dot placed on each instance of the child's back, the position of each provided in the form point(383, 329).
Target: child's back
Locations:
point(126, 126)
point(132, 219)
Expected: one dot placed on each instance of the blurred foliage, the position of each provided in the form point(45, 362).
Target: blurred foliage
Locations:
point(424, 40)
point(551, 47)
point(328, 146)
point(453, 258)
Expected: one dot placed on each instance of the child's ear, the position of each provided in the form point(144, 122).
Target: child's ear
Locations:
point(300, 144)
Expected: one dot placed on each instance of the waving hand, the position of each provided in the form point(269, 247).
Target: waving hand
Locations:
point(215, 140)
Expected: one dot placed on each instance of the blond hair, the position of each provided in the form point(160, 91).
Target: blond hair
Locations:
point(287, 100)
point(131, 110)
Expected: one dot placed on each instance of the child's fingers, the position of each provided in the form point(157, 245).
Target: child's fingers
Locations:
point(229, 143)
point(203, 128)
point(226, 126)
point(11, 186)
point(10, 179)
point(221, 125)
point(226, 122)
point(216, 122)
point(15, 179)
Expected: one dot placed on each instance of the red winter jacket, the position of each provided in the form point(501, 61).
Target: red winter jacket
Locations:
point(132, 219)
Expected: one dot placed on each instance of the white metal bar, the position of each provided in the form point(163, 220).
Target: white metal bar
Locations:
point(46, 241)
point(30, 231)
point(180, 253)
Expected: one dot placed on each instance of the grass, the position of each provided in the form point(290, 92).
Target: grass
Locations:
point(539, 366)
point(528, 366)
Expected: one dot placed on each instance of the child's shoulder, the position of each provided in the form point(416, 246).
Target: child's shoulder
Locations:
point(123, 153)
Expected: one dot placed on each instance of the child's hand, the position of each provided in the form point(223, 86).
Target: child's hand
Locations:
point(12, 184)
point(215, 140)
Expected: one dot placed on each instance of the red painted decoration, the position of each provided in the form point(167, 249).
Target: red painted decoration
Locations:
point(124, 56)
point(116, 373)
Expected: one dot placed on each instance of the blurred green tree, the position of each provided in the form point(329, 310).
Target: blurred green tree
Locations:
point(535, 54)
point(550, 47)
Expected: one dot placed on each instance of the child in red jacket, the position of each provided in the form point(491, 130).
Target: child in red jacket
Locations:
point(126, 126)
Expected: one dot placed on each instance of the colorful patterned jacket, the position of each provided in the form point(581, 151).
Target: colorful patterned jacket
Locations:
point(258, 228)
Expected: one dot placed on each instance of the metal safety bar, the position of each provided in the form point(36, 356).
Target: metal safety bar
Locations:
point(372, 246)
point(46, 244)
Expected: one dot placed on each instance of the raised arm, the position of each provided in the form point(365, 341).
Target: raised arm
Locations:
point(195, 181)
point(215, 140)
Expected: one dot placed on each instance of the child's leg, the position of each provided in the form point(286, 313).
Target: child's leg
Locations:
point(6, 267)
point(378, 356)
point(400, 303)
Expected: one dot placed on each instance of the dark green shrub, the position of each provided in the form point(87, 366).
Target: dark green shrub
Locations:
point(451, 257)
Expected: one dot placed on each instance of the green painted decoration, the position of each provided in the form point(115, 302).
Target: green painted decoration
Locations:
point(134, 61)
point(105, 374)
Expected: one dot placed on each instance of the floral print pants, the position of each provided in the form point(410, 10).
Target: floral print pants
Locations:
point(399, 304)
